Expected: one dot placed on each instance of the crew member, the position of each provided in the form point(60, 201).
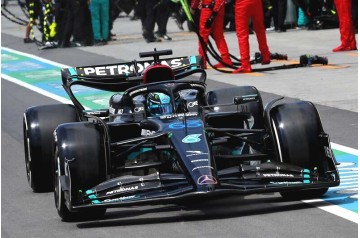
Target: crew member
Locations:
point(244, 11)
point(146, 11)
point(212, 13)
point(346, 26)
point(162, 14)
point(35, 12)
point(100, 21)
point(279, 9)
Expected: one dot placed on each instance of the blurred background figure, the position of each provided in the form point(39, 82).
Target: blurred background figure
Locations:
point(117, 7)
point(278, 9)
point(75, 29)
point(35, 13)
point(162, 14)
point(100, 21)
point(244, 11)
point(178, 13)
point(212, 13)
point(146, 11)
point(346, 26)
point(303, 20)
point(229, 15)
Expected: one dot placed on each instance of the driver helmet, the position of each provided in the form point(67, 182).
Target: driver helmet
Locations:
point(159, 104)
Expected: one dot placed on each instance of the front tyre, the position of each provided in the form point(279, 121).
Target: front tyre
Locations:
point(59, 194)
point(297, 128)
point(79, 164)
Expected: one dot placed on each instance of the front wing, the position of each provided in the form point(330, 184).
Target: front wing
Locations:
point(169, 188)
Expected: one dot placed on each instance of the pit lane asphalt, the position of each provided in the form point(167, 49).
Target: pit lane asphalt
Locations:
point(334, 90)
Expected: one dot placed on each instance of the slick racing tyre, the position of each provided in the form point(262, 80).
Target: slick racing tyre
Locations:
point(39, 124)
point(297, 128)
point(83, 158)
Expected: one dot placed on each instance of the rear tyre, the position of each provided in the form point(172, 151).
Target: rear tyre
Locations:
point(84, 160)
point(297, 129)
point(39, 124)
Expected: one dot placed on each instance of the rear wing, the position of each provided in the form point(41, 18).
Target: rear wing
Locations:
point(120, 74)
point(123, 76)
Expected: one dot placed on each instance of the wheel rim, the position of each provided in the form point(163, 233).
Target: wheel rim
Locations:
point(57, 187)
point(27, 152)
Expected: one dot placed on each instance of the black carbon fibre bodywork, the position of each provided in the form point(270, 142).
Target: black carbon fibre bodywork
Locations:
point(213, 143)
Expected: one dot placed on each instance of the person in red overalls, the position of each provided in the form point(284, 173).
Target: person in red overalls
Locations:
point(244, 11)
point(346, 26)
point(212, 14)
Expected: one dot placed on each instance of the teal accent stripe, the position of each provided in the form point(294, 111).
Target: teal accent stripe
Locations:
point(73, 72)
point(132, 155)
point(193, 61)
point(307, 175)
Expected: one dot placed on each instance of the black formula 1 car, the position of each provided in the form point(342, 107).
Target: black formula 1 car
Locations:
point(155, 135)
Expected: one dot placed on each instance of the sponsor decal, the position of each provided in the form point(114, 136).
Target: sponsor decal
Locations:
point(279, 175)
point(192, 104)
point(147, 132)
point(119, 190)
point(195, 153)
point(199, 160)
point(206, 179)
point(193, 138)
point(121, 110)
point(189, 124)
point(97, 112)
point(124, 69)
point(120, 199)
point(188, 114)
point(137, 91)
point(202, 167)
point(286, 183)
point(249, 97)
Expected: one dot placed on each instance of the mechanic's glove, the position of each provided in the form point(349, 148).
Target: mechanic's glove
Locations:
point(210, 21)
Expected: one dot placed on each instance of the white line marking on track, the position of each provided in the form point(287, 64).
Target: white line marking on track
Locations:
point(345, 149)
point(36, 57)
point(36, 89)
point(336, 210)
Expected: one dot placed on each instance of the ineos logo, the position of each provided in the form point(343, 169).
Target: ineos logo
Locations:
point(192, 104)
